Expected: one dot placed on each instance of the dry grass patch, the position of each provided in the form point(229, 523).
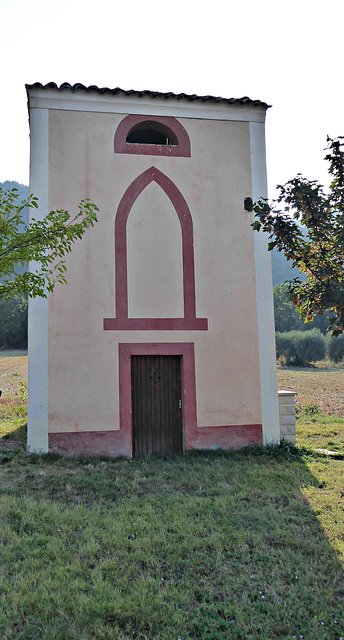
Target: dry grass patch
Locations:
point(13, 382)
point(13, 402)
point(321, 386)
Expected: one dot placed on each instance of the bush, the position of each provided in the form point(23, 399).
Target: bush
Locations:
point(300, 348)
point(311, 410)
point(336, 348)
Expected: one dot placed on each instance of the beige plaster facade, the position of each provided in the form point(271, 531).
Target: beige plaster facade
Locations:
point(80, 358)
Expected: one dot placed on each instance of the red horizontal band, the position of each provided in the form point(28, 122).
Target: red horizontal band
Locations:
point(156, 324)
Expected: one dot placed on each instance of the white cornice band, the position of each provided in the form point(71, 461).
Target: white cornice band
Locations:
point(107, 103)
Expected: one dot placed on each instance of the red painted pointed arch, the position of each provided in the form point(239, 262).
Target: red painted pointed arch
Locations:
point(189, 321)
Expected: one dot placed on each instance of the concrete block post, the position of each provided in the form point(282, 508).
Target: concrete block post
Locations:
point(286, 403)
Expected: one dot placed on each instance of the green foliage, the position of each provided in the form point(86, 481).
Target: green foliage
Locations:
point(282, 270)
point(300, 348)
point(13, 323)
point(287, 317)
point(311, 410)
point(44, 242)
point(307, 225)
point(336, 348)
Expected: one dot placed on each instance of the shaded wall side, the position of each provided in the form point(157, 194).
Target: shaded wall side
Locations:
point(264, 293)
point(37, 438)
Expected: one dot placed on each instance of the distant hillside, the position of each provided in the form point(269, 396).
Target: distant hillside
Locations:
point(23, 191)
point(282, 269)
point(11, 184)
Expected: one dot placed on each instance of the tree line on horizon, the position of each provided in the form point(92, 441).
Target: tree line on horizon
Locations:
point(14, 312)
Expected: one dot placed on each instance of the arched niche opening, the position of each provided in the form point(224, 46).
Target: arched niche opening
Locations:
point(152, 135)
point(122, 319)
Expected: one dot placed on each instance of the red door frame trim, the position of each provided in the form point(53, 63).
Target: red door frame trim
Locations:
point(184, 349)
point(122, 321)
point(182, 150)
point(217, 437)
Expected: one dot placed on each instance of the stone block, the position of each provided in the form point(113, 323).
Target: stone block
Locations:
point(287, 409)
point(288, 429)
point(282, 400)
point(290, 438)
point(288, 419)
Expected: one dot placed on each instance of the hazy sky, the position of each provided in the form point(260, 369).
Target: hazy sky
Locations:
point(288, 54)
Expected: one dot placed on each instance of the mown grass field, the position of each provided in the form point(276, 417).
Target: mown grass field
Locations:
point(240, 545)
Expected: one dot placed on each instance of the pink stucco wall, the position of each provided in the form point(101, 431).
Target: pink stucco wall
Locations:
point(83, 358)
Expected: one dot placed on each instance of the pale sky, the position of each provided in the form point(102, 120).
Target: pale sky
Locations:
point(288, 54)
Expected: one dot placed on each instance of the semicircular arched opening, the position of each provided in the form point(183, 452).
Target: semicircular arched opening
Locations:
point(152, 135)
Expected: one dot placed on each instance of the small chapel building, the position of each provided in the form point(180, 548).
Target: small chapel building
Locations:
point(163, 338)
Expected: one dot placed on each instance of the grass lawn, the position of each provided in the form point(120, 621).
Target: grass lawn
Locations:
point(240, 545)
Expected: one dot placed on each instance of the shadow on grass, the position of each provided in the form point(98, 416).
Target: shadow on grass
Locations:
point(209, 545)
point(13, 444)
point(16, 435)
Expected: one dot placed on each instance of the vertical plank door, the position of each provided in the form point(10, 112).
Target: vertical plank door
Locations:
point(156, 405)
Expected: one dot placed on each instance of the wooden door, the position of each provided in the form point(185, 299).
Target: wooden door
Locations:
point(156, 405)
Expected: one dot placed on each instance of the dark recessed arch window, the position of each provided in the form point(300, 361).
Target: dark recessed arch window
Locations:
point(152, 135)
point(152, 132)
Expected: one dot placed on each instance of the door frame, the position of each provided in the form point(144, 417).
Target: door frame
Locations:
point(188, 381)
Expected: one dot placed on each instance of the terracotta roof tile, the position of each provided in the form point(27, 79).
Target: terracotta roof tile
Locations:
point(151, 94)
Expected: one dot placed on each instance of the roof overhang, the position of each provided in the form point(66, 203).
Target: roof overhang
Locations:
point(80, 98)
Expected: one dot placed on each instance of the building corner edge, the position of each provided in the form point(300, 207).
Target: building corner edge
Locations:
point(37, 428)
point(264, 295)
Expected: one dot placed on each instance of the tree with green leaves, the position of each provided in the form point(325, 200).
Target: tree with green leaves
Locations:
point(44, 242)
point(287, 317)
point(306, 223)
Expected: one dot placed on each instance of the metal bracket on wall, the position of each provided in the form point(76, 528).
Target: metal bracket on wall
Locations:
point(248, 204)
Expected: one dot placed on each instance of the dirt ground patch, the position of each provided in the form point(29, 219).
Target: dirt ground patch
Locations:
point(323, 387)
point(13, 364)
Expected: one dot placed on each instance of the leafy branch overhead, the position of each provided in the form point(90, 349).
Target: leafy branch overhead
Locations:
point(306, 223)
point(43, 242)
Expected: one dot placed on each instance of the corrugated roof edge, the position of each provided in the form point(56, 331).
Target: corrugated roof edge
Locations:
point(151, 94)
